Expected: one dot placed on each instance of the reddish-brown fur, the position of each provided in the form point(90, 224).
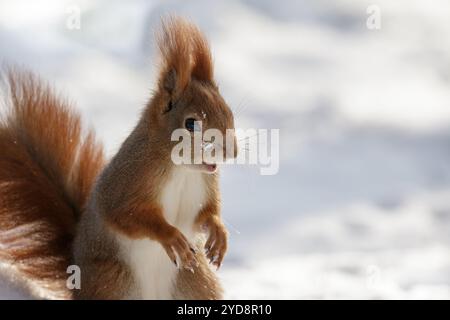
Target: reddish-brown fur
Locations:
point(47, 175)
point(47, 169)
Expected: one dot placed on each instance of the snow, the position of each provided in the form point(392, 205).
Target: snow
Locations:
point(360, 207)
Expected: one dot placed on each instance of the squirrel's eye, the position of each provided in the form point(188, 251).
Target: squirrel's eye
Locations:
point(191, 124)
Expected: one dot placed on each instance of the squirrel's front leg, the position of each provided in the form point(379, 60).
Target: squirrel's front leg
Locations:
point(149, 222)
point(217, 243)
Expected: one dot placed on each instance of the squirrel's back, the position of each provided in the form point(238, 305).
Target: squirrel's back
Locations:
point(47, 168)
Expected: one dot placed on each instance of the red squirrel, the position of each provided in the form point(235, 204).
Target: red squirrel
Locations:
point(133, 225)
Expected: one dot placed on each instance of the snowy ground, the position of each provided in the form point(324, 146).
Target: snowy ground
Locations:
point(361, 205)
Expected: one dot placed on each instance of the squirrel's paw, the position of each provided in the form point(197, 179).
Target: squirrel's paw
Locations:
point(178, 245)
point(216, 245)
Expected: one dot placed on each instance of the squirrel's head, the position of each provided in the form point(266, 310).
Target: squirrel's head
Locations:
point(188, 98)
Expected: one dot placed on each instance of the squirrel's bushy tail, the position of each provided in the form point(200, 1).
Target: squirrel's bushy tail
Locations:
point(47, 168)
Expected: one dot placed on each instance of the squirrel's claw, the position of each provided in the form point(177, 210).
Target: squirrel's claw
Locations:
point(216, 245)
point(178, 245)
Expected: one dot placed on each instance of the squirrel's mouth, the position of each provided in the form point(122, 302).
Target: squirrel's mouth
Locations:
point(205, 167)
point(209, 167)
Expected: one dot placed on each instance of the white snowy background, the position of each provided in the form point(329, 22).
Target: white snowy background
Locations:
point(360, 207)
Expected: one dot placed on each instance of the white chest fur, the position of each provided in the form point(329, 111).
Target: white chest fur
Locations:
point(181, 198)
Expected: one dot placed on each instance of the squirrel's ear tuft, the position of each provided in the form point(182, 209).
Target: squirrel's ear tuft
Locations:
point(202, 58)
point(175, 53)
point(184, 54)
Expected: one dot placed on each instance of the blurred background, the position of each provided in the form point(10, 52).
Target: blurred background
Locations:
point(360, 207)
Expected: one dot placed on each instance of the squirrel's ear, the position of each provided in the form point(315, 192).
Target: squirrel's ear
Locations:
point(175, 54)
point(169, 81)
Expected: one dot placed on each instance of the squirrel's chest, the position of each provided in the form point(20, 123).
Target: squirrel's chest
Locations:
point(182, 197)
